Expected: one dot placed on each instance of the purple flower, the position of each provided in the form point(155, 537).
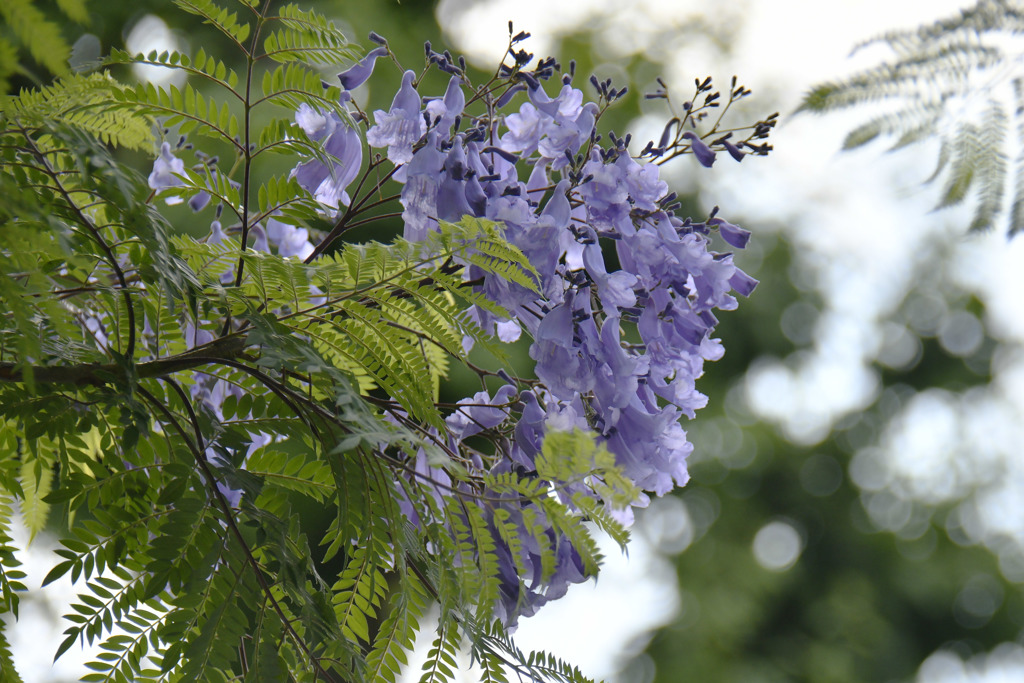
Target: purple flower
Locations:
point(358, 73)
point(342, 143)
point(733, 234)
point(550, 126)
point(259, 237)
point(289, 240)
point(480, 412)
point(199, 201)
point(524, 130)
point(742, 283)
point(166, 168)
point(423, 178)
point(733, 150)
point(444, 111)
point(562, 364)
point(402, 126)
point(703, 153)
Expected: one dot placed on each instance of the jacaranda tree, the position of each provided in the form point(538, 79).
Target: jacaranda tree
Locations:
point(189, 411)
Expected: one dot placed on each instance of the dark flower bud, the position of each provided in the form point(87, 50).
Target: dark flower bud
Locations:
point(530, 80)
point(733, 150)
point(504, 154)
point(507, 96)
point(377, 38)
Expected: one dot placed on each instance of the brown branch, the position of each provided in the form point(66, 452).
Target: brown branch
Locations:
point(99, 374)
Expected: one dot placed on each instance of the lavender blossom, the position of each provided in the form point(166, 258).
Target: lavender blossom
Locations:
point(360, 72)
point(342, 143)
point(400, 127)
point(166, 168)
point(700, 149)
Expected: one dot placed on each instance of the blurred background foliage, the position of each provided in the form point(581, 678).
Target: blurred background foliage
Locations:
point(795, 562)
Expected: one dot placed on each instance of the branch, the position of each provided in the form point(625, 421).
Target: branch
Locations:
point(100, 374)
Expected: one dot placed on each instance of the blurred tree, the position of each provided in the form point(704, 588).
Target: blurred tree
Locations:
point(860, 603)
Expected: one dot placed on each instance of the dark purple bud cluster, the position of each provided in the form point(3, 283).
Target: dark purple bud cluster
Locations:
point(679, 136)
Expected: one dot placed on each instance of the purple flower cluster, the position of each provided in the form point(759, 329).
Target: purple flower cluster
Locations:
point(617, 350)
point(566, 203)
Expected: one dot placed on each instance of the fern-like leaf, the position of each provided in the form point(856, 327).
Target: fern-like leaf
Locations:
point(40, 36)
point(308, 37)
point(220, 18)
point(79, 101)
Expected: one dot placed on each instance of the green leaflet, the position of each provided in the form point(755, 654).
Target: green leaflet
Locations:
point(8, 672)
point(396, 634)
point(81, 101)
point(40, 36)
point(219, 17)
point(36, 482)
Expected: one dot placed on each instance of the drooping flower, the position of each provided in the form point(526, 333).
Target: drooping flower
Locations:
point(443, 112)
point(166, 168)
point(343, 147)
point(705, 155)
point(358, 74)
point(733, 234)
point(402, 126)
point(289, 240)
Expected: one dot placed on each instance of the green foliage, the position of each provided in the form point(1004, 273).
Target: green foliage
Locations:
point(930, 89)
point(28, 26)
point(307, 37)
point(189, 525)
point(79, 101)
